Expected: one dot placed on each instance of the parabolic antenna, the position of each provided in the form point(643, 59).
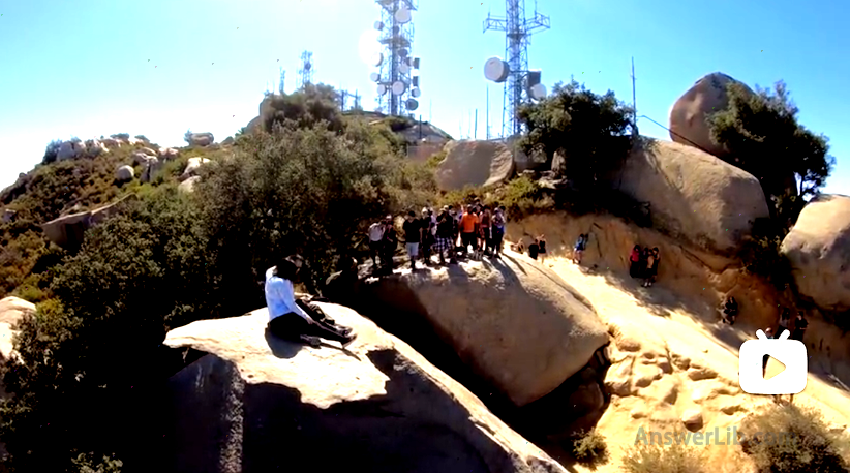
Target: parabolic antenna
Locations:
point(374, 77)
point(398, 87)
point(538, 91)
point(403, 68)
point(382, 90)
point(377, 59)
point(411, 104)
point(402, 52)
point(403, 15)
point(416, 92)
point(379, 25)
point(416, 81)
point(496, 70)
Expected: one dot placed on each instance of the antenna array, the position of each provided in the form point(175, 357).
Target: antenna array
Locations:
point(520, 83)
point(397, 85)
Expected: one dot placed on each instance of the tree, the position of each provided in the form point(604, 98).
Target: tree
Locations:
point(763, 137)
point(51, 152)
point(310, 105)
point(590, 130)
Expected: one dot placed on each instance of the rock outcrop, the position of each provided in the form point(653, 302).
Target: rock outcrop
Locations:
point(200, 139)
point(818, 248)
point(168, 154)
point(474, 163)
point(515, 323)
point(188, 185)
point(71, 150)
point(687, 115)
point(192, 167)
point(12, 310)
point(152, 166)
point(124, 173)
point(69, 231)
point(378, 406)
point(693, 195)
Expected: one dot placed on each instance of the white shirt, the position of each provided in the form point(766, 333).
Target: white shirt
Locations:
point(376, 231)
point(280, 296)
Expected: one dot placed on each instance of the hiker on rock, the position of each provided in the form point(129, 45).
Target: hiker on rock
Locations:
point(376, 237)
point(390, 243)
point(469, 225)
point(652, 260)
point(784, 321)
point(541, 247)
point(729, 311)
point(287, 319)
point(427, 223)
point(800, 326)
point(635, 269)
point(485, 235)
point(498, 228)
point(412, 229)
point(581, 244)
point(445, 231)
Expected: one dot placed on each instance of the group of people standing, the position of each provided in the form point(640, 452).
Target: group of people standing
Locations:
point(450, 234)
point(644, 264)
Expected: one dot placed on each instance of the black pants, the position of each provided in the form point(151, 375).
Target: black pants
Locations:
point(291, 326)
point(469, 239)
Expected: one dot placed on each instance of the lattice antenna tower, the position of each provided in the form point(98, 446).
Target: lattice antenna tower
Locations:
point(397, 70)
point(305, 72)
point(520, 83)
point(280, 87)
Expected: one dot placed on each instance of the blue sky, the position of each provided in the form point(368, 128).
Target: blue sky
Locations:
point(97, 67)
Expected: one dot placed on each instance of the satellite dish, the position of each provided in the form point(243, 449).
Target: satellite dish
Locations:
point(538, 91)
point(398, 87)
point(382, 90)
point(307, 66)
point(377, 59)
point(403, 68)
point(416, 92)
point(496, 70)
point(416, 63)
point(374, 77)
point(416, 81)
point(403, 15)
point(411, 104)
point(379, 25)
point(402, 52)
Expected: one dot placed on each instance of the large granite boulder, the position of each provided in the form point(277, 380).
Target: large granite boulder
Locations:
point(71, 150)
point(192, 167)
point(818, 248)
point(256, 404)
point(69, 231)
point(12, 311)
point(693, 195)
point(474, 163)
point(515, 323)
point(199, 139)
point(124, 173)
point(688, 114)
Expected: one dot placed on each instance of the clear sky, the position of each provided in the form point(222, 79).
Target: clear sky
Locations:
point(159, 67)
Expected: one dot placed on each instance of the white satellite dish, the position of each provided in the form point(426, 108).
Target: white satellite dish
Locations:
point(377, 58)
point(411, 104)
point(382, 90)
point(398, 87)
point(403, 15)
point(403, 68)
point(374, 77)
point(402, 52)
point(379, 25)
point(538, 91)
point(416, 92)
point(496, 70)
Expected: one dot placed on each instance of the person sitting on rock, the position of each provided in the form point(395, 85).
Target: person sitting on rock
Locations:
point(287, 319)
point(729, 311)
point(634, 260)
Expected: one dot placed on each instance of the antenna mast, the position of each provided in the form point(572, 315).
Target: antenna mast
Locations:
point(280, 84)
point(305, 73)
point(520, 83)
point(395, 79)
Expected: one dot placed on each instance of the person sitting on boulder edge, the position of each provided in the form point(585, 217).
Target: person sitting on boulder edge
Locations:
point(287, 320)
point(729, 310)
point(634, 259)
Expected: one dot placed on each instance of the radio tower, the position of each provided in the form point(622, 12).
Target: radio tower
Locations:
point(305, 73)
point(280, 84)
point(396, 77)
point(522, 84)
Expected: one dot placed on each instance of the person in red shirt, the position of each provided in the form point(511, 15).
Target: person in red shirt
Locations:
point(469, 225)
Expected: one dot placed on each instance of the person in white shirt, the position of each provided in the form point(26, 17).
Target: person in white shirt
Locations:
point(376, 238)
point(287, 320)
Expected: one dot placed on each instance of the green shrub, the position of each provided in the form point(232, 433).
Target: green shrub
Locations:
point(794, 439)
point(591, 449)
point(434, 161)
point(760, 253)
point(51, 152)
point(674, 458)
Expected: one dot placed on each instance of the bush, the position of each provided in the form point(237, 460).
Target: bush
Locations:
point(51, 152)
point(310, 106)
point(591, 449)
point(760, 253)
point(588, 129)
point(800, 441)
point(654, 458)
point(120, 136)
point(762, 134)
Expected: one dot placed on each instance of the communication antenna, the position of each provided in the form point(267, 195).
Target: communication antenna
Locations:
point(397, 69)
point(305, 73)
point(280, 84)
point(521, 85)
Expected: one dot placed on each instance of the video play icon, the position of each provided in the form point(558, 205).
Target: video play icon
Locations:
point(791, 353)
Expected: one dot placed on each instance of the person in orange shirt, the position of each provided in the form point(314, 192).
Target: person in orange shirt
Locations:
point(469, 227)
